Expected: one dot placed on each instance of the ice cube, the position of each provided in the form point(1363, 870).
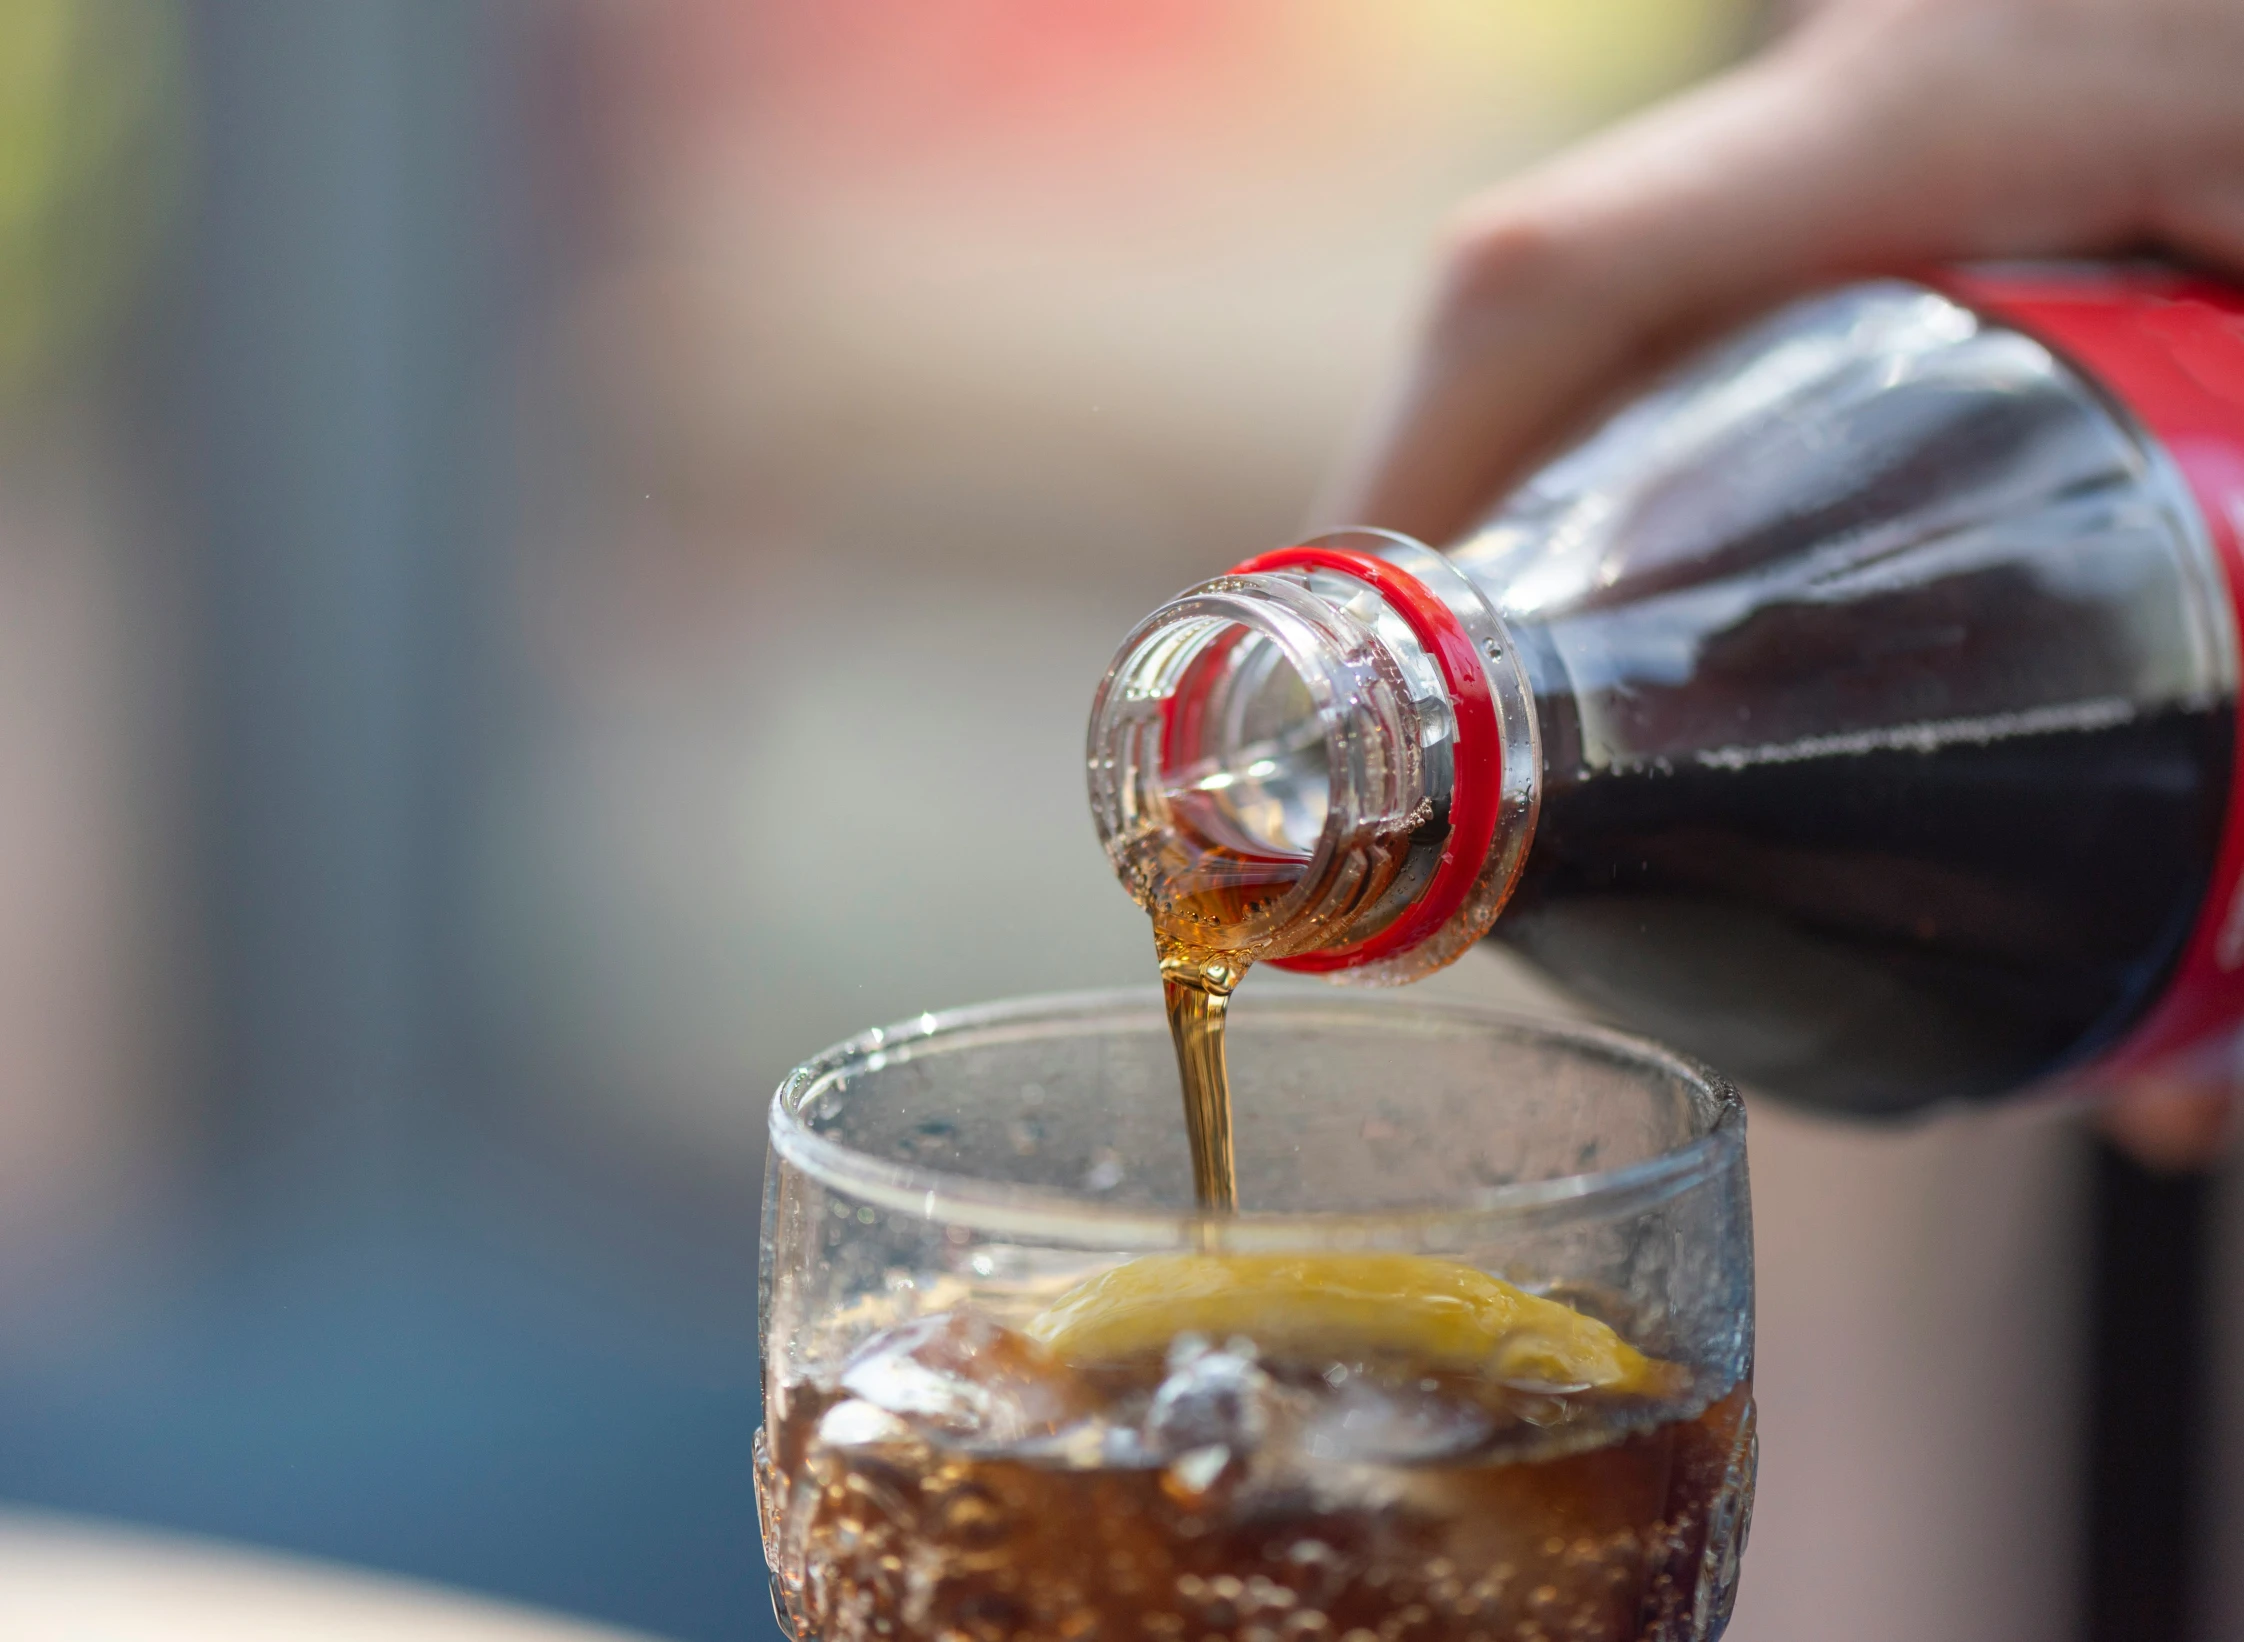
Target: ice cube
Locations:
point(1364, 1422)
point(965, 1376)
point(1212, 1398)
point(859, 1424)
point(1093, 1443)
point(1193, 1473)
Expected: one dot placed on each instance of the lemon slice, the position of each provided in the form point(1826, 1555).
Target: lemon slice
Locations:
point(1435, 1312)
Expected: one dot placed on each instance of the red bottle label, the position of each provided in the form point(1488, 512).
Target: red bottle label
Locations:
point(2170, 347)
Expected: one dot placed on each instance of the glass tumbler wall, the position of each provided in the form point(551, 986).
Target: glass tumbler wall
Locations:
point(1474, 1361)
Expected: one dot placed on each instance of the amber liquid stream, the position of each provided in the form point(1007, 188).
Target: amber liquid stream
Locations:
point(1198, 995)
point(1196, 985)
point(1205, 894)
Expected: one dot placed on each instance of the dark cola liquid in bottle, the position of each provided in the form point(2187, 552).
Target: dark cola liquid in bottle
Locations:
point(1856, 709)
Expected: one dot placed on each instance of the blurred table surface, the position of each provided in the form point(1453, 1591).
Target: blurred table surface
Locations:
point(73, 1580)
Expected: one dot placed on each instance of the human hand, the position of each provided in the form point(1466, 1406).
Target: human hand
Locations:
point(1881, 136)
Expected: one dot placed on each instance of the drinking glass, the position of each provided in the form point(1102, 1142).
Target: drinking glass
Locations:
point(1473, 1362)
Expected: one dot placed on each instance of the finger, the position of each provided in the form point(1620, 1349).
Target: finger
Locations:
point(1861, 147)
point(2207, 222)
point(2173, 1128)
point(1557, 287)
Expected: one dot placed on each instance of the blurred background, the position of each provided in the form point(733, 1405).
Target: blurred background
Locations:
point(553, 556)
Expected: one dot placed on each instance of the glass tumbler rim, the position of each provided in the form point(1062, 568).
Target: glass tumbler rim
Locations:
point(1010, 1208)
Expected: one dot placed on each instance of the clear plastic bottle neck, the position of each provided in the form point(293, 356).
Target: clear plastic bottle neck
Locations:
point(1325, 759)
